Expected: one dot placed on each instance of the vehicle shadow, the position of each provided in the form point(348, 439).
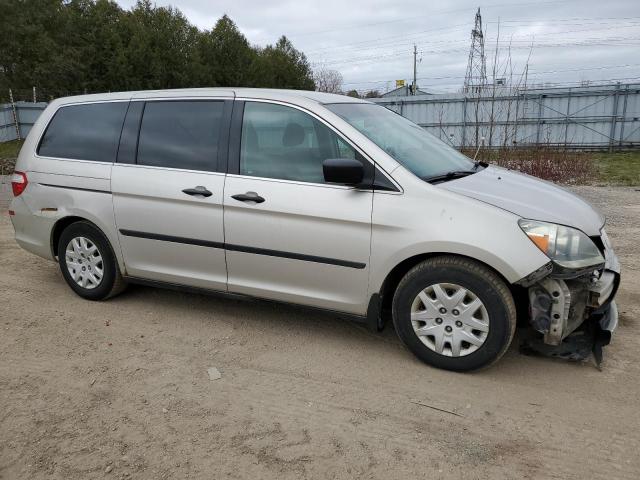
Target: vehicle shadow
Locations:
point(275, 319)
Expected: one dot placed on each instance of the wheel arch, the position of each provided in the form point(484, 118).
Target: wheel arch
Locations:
point(393, 278)
point(64, 222)
point(59, 227)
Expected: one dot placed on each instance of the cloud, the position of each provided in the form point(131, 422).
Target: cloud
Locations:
point(371, 42)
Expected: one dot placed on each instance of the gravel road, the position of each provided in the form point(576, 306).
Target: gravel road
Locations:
point(129, 388)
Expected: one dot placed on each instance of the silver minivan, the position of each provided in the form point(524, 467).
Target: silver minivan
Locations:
point(319, 200)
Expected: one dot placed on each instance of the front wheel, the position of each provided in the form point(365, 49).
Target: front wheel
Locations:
point(454, 313)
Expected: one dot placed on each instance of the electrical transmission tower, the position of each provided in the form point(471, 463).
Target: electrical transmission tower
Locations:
point(476, 76)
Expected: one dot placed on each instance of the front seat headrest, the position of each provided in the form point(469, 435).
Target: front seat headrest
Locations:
point(293, 135)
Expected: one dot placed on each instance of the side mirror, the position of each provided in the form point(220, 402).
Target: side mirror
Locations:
point(346, 171)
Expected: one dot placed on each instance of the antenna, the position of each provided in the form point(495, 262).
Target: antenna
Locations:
point(476, 76)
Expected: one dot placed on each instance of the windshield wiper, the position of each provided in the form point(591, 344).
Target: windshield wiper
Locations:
point(445, 177)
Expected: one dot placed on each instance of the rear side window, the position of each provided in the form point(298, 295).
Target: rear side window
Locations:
point(180, 134)
point(85, 132)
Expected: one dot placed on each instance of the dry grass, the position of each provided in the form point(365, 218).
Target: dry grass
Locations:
point(556, 165)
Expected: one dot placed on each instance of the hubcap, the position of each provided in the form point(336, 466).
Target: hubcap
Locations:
point(449, 319)
point(84, 262)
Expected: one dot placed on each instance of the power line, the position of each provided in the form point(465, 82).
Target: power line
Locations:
point(389, 48)
point(448, 87)
point(409, 37)
point(430, 15)
point(513, 40)
point(545, 72)
point(377, 56)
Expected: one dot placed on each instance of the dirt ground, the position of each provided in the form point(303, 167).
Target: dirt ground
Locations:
point(120, 389)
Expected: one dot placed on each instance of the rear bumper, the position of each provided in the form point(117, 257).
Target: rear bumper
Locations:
point(32, 229)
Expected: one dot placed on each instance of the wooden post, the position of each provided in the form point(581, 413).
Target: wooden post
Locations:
point(15, 115)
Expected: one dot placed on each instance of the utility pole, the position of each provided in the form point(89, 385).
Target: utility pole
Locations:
point(414, 86)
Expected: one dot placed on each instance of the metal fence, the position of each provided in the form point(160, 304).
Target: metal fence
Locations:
point(592, 117)
point(26, 114)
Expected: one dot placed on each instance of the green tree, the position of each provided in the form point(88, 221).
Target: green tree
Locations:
point(282, 66)
point(225, 56)
point(101, 40)
point(71, 46)
point(32, 50)
point(161, 45)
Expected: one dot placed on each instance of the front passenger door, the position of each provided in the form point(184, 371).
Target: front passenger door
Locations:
point(289, 235)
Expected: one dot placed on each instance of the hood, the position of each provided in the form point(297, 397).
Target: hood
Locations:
point(528, 197)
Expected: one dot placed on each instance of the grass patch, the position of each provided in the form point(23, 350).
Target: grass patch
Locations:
point(621, 168)
point(10, 149)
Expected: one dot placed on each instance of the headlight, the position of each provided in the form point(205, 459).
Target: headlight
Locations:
point(566, 246)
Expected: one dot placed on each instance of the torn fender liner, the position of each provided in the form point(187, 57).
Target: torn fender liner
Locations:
point(588, 339)
point(605, 328)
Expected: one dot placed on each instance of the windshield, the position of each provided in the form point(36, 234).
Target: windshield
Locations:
point(409, 144)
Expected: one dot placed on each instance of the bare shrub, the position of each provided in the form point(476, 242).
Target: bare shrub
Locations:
point(329, 81)
point(556, 165)
point(7, 166)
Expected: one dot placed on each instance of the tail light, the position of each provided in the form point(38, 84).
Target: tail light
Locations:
point(18, 183)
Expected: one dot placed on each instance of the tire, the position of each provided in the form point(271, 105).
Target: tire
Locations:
point(489, 326)
point(110, 283)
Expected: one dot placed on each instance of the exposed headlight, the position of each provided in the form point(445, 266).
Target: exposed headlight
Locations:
point(566, 246)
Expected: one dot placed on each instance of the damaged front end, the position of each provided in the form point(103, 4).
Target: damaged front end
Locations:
point(573, 313)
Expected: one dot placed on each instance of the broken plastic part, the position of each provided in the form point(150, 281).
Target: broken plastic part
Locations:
point(588, 339)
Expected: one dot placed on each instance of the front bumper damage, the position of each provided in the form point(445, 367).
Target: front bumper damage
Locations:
point(573, 314)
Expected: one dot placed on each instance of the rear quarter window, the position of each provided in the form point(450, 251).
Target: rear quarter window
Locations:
point(84, 132)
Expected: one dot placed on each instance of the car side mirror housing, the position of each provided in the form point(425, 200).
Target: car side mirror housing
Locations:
point(346, 171)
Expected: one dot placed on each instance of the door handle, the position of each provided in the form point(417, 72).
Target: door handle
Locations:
point(199, 190)
point(248, 197)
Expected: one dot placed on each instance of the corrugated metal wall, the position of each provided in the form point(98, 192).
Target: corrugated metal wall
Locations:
point(598, 117)
point(27, 114)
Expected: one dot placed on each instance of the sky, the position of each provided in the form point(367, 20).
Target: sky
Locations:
point(371, 42)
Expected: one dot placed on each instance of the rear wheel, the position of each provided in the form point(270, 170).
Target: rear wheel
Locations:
point(87, 262)
point(454, 313)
